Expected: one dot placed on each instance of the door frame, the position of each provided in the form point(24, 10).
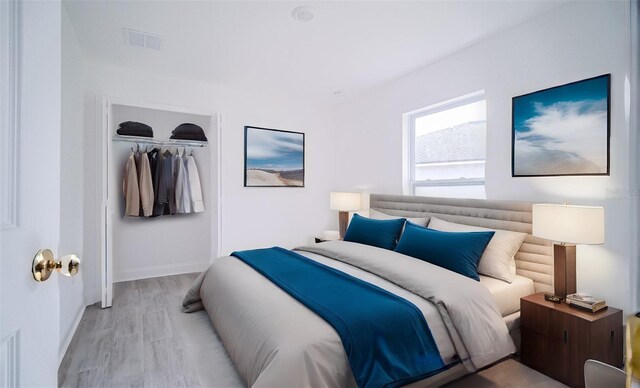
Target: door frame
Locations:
point(634, 171)
point(105, 106)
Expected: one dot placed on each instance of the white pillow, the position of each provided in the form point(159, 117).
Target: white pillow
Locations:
point(376, 215)
point(498, 259)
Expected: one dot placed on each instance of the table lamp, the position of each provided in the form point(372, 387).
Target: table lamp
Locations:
point(344, 203)
point(567, 225)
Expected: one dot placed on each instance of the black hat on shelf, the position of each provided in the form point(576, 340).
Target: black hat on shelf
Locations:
point(188, 131)
point(132, 128)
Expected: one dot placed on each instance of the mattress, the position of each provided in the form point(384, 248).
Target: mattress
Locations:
point(507, 296)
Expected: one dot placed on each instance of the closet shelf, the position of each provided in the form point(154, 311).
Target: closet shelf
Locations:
point(161, 143)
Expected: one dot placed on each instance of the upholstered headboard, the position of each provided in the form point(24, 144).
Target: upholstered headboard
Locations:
point(535, 257)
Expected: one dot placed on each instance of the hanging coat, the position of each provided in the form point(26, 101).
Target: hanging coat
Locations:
point(172, 199)
point(146, 186)
point(183, 197)
point(197, 204)
point(137, 158)
point(130, 188)
point(167, 177)
point(158, 205)
point(153, 161)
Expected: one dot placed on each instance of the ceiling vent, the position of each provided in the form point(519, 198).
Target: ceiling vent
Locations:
point(142, 39)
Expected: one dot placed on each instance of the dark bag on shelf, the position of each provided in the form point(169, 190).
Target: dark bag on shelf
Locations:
point(132, 128)
point(188, 131)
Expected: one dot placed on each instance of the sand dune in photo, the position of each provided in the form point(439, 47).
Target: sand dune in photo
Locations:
point(536, 159)
point(257, 177)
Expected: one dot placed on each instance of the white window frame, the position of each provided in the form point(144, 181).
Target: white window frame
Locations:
point(410, 120)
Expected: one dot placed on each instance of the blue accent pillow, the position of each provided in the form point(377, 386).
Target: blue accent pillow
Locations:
point(456, 251)
point(378, 233)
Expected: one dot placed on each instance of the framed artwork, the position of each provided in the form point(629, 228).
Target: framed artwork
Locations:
point(562, 130)
point(273, 158)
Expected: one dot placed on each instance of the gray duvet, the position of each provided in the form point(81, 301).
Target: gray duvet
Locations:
point(275, 341)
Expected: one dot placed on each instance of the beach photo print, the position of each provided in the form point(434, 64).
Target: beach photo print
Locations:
point(563, 130)
point(273, 158)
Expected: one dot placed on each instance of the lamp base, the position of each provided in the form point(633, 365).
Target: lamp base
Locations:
point(564, 270)
point(343, 221)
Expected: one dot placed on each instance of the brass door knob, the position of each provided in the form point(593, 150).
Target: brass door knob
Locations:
point(44, 264)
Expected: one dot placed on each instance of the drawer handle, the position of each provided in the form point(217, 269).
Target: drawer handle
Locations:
point(565, 336)
point(613, 334)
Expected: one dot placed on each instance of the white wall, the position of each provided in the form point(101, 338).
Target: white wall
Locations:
point(252, 217)
point(71, 177)
point(576, 41)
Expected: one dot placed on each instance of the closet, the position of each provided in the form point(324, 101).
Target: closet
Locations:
point(144, 247)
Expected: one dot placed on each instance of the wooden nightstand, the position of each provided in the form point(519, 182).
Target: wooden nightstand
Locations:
point(558, 339)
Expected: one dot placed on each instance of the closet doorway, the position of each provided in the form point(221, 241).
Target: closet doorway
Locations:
point(145, 247)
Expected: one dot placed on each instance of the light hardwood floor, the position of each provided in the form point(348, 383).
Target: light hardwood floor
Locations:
point(145, 340)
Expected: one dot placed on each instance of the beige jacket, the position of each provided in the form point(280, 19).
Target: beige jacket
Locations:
point(195, 191)
point(130, 188)
point(146, 186)
point(183, 195)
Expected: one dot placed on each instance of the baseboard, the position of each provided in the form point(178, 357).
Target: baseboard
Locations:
point(159, 270)
point(71, 331)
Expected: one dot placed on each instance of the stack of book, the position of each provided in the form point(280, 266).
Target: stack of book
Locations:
point(586, 302)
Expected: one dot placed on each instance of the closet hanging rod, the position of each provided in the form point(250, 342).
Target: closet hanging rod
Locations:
point(161, 143)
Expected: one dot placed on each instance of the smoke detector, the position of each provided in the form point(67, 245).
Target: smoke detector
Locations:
point(304, 13)
point(142, 39)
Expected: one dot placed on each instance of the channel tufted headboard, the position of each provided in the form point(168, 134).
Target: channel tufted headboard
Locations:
point(535, 257)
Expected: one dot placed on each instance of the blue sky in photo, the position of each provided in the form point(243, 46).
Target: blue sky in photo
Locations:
point(562, 130)
point(274, 150)
point(525, 107)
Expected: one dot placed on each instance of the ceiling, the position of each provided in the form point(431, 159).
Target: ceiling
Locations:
point(349, 46)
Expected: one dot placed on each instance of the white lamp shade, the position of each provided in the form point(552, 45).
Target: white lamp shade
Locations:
point(344, 201)
point(569, 223)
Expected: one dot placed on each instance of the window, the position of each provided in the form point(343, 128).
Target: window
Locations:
point(446, 148)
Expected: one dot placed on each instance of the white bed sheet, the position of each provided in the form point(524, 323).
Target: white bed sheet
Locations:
point(507, 296)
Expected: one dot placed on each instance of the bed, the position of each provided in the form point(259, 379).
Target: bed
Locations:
point(274, 340)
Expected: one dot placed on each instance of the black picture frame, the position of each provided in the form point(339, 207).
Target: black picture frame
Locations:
point(595, 83)
point(294, 178)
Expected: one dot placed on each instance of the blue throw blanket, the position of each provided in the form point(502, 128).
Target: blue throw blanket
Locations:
point(386, 338)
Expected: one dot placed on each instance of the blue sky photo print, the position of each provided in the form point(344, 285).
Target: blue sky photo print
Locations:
point(563, 130)
point(273, 158)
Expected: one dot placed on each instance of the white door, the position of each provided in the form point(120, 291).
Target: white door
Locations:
point(30, 196)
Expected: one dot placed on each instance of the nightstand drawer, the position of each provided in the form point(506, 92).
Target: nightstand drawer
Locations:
point(545, 321)
point(547, 355)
